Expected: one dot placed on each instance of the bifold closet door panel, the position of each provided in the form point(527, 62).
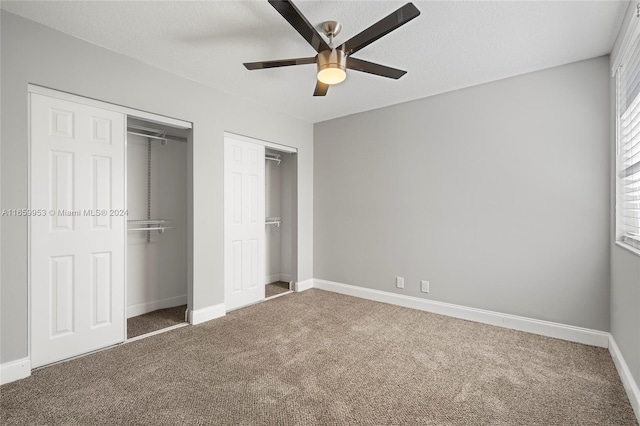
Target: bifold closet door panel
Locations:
point(244, 206)
point(77, 231)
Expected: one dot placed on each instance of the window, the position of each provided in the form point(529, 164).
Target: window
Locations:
point(628, 147)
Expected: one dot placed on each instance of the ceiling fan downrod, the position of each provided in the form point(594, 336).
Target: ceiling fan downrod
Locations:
point(331, 29)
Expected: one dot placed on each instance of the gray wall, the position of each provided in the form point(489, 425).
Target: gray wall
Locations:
point(497, 194)
point(625, 266)
point(625, 306)
point(32, 53)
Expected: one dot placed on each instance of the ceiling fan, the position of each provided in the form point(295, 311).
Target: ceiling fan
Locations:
point(332, 62)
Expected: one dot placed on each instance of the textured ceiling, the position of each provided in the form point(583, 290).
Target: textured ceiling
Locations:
point(452, 44)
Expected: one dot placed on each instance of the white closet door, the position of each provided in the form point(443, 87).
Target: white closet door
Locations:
point(77, 247)
point(244, 198)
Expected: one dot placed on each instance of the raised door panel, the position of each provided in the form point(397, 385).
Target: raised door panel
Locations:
point(61, 290)
point(62, 170)
point(101, 190)
point(101, 288)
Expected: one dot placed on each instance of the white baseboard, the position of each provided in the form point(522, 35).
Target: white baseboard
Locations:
point(628, 381)
point(285, 277)
point(15, 370)
point(277, 277)
point(530, 325)
point(143, 308)
point(272, 278)
point(303, 285)
point(209, 313)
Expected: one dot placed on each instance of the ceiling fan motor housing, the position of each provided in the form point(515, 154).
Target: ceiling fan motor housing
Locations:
point(330, 62)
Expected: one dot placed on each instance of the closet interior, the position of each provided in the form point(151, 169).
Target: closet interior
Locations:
point(157, 191)
point(280, 193)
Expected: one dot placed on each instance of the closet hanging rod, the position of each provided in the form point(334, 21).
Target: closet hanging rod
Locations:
point(160, 228)
point(145, 129)
point(156, 132)
point(162, 138)
point(148, 221)
point(273, 157)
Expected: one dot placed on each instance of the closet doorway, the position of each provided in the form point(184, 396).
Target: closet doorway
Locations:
point(108, 242)
point(260, 203)
point(280, 178)
point(157, 203)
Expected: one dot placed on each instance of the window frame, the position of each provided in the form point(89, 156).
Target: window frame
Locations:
point(626, 55)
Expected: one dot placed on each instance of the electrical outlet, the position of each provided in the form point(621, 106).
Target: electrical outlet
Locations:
point(399, 282)
point(424, 286)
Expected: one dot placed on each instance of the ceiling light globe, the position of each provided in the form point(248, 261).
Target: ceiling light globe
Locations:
point(332, 66)
point(332, 75)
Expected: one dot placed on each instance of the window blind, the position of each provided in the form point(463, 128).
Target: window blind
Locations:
point(628, 148)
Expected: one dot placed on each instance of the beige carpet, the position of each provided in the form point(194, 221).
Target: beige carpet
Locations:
point(278, 287)
point(326, 359)
point(154, 321)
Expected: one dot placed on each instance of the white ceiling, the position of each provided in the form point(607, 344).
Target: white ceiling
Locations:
point(452, 44)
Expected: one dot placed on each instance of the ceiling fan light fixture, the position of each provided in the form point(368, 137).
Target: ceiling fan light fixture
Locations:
point(332, 66)
point(332, 75)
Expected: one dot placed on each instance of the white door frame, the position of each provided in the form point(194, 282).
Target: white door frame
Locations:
point(129, 112)
point(266, 144)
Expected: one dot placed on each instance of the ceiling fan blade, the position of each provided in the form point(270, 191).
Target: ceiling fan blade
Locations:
point(297, 20)
point(371, 68)
point(279, 63)
point(380, 28)
point(321, 89)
